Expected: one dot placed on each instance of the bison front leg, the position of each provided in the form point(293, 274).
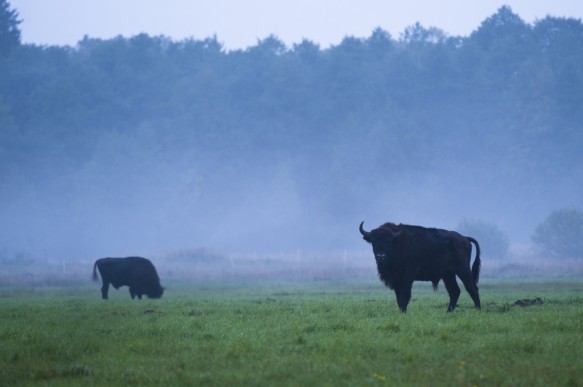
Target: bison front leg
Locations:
point(132, 293)
point(403, 293)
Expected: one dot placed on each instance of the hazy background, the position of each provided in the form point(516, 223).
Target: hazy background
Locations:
point(148, 144)
point(240, 24)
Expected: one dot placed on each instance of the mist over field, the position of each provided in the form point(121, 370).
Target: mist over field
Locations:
point(147, 146)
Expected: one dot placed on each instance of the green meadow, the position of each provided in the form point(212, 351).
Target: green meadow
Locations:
point(343, 333)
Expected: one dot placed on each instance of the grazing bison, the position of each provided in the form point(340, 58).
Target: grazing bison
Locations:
point(136, 272)
point(412, 253)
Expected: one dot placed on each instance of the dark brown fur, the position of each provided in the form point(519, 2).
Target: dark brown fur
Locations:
point(136, 272)
point(405, 254)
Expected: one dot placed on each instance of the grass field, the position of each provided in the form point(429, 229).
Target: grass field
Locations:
point(317, 333)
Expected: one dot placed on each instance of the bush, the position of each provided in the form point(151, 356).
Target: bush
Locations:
point(493, 242)
point(561, 233)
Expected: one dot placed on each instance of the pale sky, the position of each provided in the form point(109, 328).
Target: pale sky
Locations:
point(241, 23)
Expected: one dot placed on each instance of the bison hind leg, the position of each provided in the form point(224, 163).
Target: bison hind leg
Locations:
point(452, 289)
point(435, 284)
point(104, 290)
point(471, 287)
point(132, 293)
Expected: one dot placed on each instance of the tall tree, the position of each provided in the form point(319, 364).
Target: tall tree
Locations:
point(9, 32)
point(501, 30)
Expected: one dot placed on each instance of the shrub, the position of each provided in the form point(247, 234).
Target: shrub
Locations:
point(561, 233)
point(493, 242)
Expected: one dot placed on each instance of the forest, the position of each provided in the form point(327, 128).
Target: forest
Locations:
point(142, 144)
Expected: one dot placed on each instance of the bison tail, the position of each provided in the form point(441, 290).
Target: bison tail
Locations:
point(477, 261)
point(94, 276)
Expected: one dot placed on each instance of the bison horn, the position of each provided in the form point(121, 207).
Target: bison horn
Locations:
point(364, 233)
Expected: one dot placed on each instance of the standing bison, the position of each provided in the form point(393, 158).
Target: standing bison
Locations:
point(136, 272)
point(412, 253)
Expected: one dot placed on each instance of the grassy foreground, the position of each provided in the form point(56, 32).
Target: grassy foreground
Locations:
point(294, 334)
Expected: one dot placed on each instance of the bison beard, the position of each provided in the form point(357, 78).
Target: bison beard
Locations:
point(412, 253)
point(136, 272)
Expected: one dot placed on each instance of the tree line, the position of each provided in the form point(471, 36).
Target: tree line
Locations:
point(370, 116)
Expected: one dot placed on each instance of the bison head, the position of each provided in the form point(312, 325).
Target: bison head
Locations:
point(381, 239)
point(155, 292)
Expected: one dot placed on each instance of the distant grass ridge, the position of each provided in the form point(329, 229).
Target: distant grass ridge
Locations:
point(328, 333)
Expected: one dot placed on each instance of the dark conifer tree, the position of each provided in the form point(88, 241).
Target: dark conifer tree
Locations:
point(9, 31)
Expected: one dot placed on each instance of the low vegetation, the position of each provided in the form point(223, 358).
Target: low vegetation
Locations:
point(318, 333)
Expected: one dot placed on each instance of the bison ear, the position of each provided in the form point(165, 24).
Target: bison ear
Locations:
point(398, 231)
point(366, 238)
